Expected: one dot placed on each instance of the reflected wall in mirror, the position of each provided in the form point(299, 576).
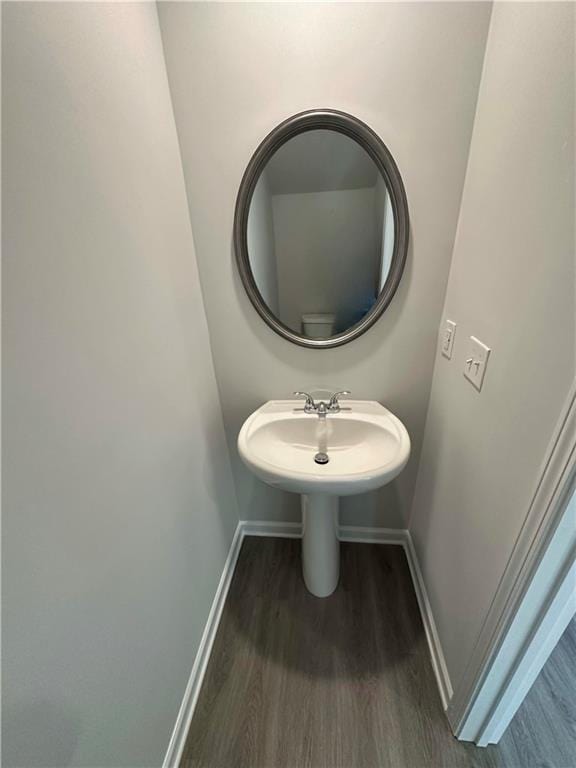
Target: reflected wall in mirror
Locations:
point(321, 228)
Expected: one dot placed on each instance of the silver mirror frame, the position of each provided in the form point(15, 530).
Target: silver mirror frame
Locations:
point(333, 120)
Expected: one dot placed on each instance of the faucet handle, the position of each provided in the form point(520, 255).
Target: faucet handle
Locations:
point(334, 405)
point(309, 405)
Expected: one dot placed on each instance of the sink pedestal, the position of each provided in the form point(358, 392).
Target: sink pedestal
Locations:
point(320, 543)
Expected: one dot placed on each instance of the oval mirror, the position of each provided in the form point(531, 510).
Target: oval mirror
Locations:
point(321, 228)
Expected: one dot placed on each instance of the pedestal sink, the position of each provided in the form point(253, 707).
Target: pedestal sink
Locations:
point(367, 447)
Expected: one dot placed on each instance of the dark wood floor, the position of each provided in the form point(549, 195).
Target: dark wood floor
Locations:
point(343, 682)
point(543, 731)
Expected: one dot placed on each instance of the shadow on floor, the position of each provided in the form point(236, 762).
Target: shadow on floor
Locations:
point(370, 622)
point(295, 681)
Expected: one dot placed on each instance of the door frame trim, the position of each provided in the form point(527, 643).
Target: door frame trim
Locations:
point(553, 490)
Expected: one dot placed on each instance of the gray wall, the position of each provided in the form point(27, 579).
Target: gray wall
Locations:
point(320, 161)
point(261, 245)
point(328, 254)
point(236, 71)
point(385, 223)
point(512, 284)
point(118, 505)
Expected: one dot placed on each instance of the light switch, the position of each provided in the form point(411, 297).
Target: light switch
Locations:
point(476, 362)
point(448, 338)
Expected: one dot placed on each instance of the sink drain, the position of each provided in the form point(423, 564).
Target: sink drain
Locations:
point(321, 458)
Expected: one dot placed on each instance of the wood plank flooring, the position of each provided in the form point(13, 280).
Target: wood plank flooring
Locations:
point(543, 731)
point(345, 682)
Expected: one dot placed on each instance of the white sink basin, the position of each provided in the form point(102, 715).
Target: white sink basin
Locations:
point(367, 447)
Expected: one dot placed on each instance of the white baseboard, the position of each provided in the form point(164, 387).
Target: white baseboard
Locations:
point(266, 528)
point(182, 726)
point(345, 532)
point(294, 530)
point(372, 535)
point(434, 644)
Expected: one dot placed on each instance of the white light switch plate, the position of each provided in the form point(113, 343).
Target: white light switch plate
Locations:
point(448, 333)
point(476, 362)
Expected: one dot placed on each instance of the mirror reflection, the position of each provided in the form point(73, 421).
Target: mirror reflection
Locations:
point(320, 233)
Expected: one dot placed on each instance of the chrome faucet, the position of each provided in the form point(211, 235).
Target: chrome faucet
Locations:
point(321, 408)
point(334, 404)
point(309, 405)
